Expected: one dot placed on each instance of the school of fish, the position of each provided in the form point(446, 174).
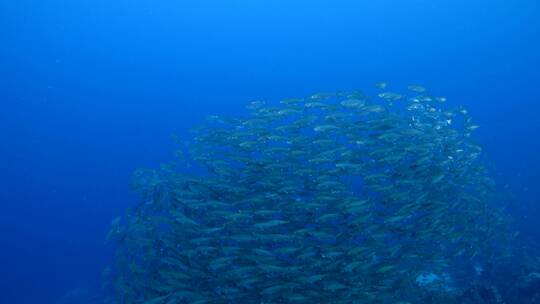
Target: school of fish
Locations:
point(332, 198)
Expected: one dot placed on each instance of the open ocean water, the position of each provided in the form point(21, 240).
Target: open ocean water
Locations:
point(91, 91)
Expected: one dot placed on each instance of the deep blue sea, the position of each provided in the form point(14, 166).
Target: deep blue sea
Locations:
point(92, 90)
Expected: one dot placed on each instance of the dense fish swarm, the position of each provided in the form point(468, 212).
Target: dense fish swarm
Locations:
point(334, 198)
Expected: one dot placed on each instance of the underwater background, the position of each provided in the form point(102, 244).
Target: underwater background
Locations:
point(90, 91)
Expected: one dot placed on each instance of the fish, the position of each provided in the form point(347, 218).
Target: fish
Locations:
point(352, 103)
point(325, 128)
point(269, 224)
point(381, 85)
point(328, 198)
point(390, 96)
point(416, 88)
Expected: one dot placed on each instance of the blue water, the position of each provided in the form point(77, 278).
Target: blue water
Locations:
point(91, 90)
